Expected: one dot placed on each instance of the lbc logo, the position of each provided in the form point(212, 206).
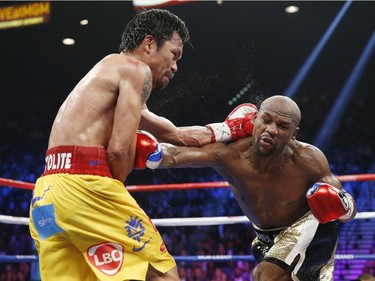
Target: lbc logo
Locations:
point(106, 257)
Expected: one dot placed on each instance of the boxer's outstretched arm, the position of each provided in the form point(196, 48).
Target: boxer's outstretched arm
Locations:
point(238, 124)
point(195, 157)
point(165, 131)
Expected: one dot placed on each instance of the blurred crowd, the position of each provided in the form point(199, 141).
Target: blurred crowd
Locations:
point(349, 153)
point(26, 165)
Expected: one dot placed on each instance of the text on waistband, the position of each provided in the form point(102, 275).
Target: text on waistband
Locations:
point(56, 161)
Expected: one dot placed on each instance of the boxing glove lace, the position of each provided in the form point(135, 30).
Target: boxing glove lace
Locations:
point(238, 124)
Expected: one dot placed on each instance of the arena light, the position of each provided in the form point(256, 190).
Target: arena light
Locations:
point(148, 4)
point(292, 9)
point(84, 22)
point(68, 41)
point(333, 120)
point(293, 87)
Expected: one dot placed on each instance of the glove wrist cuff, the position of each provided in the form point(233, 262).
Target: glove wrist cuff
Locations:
point(350, 211)
point(220, 132)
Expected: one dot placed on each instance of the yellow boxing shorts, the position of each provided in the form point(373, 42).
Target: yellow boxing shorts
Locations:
point(86, 225)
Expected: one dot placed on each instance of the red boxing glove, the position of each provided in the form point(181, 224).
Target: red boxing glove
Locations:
point(238, 124)
point(148, 152)
point(328, 203)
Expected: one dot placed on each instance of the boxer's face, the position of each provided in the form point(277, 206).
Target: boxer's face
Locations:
point(272, 130)
point(163, 61)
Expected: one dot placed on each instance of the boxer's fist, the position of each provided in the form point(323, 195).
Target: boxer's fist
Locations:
point(148, 152)
point(238, 124)
point(328, 203)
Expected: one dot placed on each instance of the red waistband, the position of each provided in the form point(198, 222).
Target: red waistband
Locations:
point(81, 160)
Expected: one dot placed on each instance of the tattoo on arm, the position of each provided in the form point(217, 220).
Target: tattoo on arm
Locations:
point(147, 85)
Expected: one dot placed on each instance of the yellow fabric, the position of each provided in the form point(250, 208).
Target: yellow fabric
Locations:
point(90, 228)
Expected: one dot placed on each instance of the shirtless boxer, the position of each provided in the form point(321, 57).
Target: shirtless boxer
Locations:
point(286, 189)
point(85, 224)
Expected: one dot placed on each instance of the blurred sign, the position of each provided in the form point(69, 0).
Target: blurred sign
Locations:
point(24, 14)
point(148, 4)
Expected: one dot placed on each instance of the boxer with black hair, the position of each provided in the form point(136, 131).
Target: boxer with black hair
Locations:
point(85, 224)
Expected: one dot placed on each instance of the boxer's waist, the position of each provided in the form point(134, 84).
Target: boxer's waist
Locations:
point(267, 235)
point(81, 160)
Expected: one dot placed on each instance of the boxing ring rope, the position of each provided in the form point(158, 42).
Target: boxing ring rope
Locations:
point(181, 186)
point(193, 221)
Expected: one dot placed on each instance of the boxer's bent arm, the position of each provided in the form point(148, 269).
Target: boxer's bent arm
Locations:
point(165, 131)
point(134, 90)
point(195, 157)
point(332, 180)
point(324, 174)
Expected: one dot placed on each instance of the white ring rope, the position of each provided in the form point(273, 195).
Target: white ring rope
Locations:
point(198, 221)
point(14, 220)
point(216, 258)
